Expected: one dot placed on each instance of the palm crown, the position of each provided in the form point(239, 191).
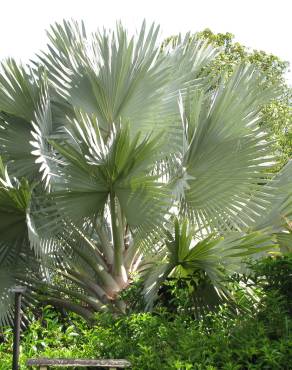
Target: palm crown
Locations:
point(106, 139)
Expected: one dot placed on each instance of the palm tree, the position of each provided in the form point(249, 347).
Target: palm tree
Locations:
point(105, 139)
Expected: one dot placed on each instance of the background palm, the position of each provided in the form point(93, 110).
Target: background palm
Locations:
point(114, 137)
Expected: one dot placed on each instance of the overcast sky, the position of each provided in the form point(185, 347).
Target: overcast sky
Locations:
point(259, 24)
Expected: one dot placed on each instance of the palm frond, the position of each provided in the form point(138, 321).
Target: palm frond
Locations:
point(224, 153)
point(279, 212)
point(93, 168)
point(18, 90)
point(186, 253)
point(118, 78)
point(30, 120)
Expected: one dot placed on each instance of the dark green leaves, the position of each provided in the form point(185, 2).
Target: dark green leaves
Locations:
point(14, 203)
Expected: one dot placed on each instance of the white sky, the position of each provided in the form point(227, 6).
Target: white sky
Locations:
point(259, 24)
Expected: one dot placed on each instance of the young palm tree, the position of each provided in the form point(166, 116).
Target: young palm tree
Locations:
point(105, 140)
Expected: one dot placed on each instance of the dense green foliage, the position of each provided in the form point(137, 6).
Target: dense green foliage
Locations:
point(274, 275)
point(260, 338)
point(151, 341)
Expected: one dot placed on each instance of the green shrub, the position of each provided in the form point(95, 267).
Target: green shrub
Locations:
point(158, 341)
point(274, 275)
point(258, 338)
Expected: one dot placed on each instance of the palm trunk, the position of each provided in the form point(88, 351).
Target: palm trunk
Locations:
point(118, 241)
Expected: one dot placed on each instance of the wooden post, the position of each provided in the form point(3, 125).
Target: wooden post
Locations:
point(18, 290)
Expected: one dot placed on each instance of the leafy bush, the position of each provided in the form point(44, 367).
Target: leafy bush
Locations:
point(160, 341)
point(261, 338)
point(274, 275)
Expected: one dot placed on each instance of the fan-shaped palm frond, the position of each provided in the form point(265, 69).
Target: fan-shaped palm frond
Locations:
point(278, 216)
point(118, 78)
point(279, 213)
point(18, 90)
point(224, 153)
point(25, 120)
point(186, 253)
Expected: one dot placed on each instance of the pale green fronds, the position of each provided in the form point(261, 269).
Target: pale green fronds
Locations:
point(279, 213)
point(19, 130)
point(18, 90)
point(15, 135)
point(215, 257)
point(15, 254)
point(93, 169)
point(17, 228)
point(42, 130)
point(224, 154)
point(118, 78)
point(284, 239)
